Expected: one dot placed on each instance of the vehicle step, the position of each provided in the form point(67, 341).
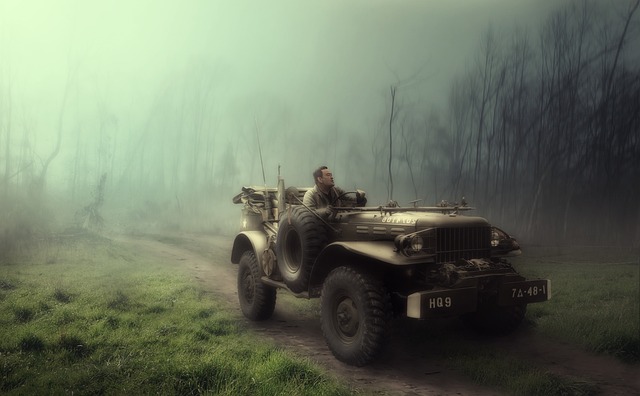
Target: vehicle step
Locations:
point(281, 285)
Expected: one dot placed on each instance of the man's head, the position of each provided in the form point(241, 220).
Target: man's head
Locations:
point(323, 178)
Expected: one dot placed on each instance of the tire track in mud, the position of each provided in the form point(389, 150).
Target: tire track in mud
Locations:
point(402, 369)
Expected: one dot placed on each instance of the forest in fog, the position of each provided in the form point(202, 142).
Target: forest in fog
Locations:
point(540, 131)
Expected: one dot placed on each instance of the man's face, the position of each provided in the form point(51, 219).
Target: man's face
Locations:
point(327, 178)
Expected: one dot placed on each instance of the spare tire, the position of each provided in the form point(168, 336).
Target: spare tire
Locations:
point(301, 237)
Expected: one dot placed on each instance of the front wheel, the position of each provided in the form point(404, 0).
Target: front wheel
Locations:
point(257, 300)
point(355, 313)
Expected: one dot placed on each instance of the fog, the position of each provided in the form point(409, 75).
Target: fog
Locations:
point(172, 100)
point(340, 51)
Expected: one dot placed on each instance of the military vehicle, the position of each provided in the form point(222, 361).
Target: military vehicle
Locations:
point(371, 264)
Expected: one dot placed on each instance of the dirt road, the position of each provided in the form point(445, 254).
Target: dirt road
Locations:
point(403, 369)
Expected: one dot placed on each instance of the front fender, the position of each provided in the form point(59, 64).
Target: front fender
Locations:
point(384, 251)
point(366, 254)
point(255, 241)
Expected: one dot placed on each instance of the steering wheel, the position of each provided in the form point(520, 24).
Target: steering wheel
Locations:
point(343, 195)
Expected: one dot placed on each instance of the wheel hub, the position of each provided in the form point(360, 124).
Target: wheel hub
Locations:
point(347, 317)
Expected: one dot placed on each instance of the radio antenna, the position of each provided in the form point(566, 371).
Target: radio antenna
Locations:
point(267, 201)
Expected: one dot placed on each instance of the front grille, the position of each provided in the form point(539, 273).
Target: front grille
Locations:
point(453, 244)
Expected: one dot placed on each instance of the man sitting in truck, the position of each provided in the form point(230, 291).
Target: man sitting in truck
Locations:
point(325, 193)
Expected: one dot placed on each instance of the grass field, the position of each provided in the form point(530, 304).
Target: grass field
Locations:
point(87, 317)
point(595, 297)
point(595, 305)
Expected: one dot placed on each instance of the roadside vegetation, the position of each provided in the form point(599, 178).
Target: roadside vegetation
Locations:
point(595, 304)
point(595, 297)
point(83, 315)
point(87, 316)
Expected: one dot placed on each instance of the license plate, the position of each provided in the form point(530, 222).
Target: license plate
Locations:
point(524, 292)
point(442, 303)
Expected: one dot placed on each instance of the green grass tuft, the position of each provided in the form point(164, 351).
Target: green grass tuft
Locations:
point(156, 309)
point(220, 327)
point(112, 322)
point(75, 345)
point(120, 301)
point(6, 284)
point(31, 343)
point(205, 313)
point(62, 296)
point(23, 314)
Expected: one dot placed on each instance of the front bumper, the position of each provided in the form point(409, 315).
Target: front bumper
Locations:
point(453, 302)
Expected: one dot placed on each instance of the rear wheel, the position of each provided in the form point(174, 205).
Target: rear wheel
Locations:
point(355, 314)
point(257, 300)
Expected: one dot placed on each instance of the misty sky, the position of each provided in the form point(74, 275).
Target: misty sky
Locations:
point(318, 62)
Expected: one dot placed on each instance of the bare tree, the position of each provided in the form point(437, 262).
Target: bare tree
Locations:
point(550, 131)
point(392, 116)
point(41, 180)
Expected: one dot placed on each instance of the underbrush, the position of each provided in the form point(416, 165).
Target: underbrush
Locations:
point(84, 315)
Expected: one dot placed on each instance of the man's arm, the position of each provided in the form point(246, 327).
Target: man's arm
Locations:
point(348, 199)
point(309, 198)
point(313, 200)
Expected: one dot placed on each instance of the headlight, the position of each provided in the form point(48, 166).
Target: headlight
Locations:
point(409, 245)
point(416, 243)
point(496, 236)
point(503, 244)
